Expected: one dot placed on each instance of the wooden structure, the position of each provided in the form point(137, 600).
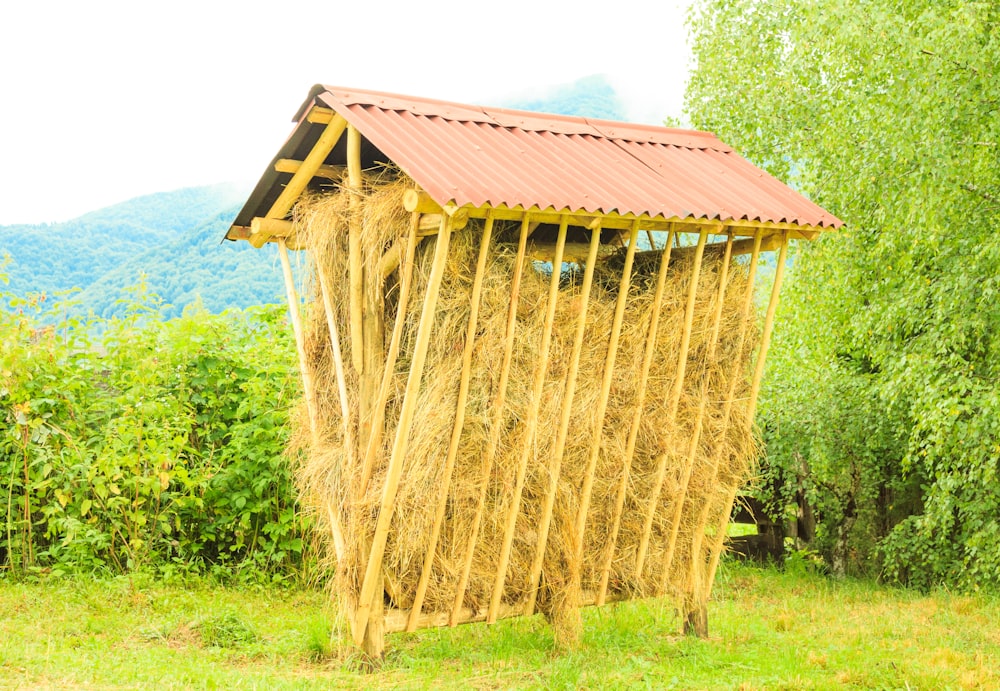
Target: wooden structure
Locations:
point(565, 191)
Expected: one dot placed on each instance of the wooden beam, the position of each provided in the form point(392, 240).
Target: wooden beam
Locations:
point(401, 442)
point(356, 270)
point(420, 202)
point(319, 115)
point(633, 432)
point(456, 430)
point(675, 398)
point(430, 222)
point(497, 407)
point(575, 252)
point(288, 165)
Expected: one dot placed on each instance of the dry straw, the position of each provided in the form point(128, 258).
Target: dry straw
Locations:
point(333, 475)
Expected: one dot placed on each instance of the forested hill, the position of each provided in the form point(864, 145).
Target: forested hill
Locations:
point(171, 240)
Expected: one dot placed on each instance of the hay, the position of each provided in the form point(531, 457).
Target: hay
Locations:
point(331, 476)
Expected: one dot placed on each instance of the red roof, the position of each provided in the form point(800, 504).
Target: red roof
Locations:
point(474, 155)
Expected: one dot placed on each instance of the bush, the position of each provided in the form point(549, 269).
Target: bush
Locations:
point(143, 443)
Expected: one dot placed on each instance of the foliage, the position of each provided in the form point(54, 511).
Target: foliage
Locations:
point(156, 444)
point(171, 238)
point(589, 97)
point(883, 397)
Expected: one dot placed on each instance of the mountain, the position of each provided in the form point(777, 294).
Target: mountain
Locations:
point(171, 241)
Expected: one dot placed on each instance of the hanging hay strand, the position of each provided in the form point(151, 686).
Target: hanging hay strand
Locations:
point(337, 480)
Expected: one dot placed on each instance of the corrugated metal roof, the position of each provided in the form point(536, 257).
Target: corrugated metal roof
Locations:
point(472, 155)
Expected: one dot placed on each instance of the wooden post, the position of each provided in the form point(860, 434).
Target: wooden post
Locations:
point(675, 398)
point(678, 508)
point(499, 399)
point(633, 432)
point(555, 462)
point(765, 343)
point(373, 571)
point(735, 376)
point(602, 405)
point(356, 276)
point(456, 432)
point(531, 422)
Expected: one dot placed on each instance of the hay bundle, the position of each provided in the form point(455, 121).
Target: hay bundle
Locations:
point(336, 478)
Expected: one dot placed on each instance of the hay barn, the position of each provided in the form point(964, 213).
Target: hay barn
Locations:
point(529, 351)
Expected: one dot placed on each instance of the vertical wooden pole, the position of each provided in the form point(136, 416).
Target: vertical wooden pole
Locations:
point(758, 374)
point(736, 375)
point(397, 458)
point(499, 399)
point(531, 422)
point(675, 398)
point(633, 432)
point(356, 276)
point(678, 508)
point(308, 387)
point(456, 431)
point(587, 489)
point(555, 462)
point(389, 367)
point(338, 359)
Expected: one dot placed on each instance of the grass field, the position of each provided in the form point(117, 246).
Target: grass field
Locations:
point(769, 630)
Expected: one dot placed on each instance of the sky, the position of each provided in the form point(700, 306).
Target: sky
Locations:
point(102, 101)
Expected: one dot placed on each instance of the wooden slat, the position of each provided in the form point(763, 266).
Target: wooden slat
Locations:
point(675, 398)
point(530, 423)
point(400, 445)
point(695, 441)
point(499, 399)
point(456, 432)
point(555, 461)
point(308, 386)
point(633, 432)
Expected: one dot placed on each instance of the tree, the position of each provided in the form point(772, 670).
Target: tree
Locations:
point(883, 397)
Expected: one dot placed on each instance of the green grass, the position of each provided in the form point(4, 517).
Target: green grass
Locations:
point(769, 630)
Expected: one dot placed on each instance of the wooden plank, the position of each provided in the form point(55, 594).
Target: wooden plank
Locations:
point(499, 399)
point(288, 165)
point(531, 421)
point(692, 454)
point(377, 412)
point(555, 461)
point(675, 398)
point(456, 431)
point(308, 386)
point(633, 432)
point(401, 442)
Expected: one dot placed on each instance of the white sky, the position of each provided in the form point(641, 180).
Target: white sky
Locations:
point(101, 101)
